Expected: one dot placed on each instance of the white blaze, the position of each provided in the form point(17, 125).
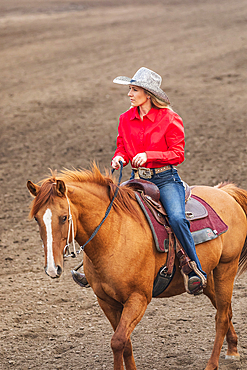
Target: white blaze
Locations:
point(51, 268)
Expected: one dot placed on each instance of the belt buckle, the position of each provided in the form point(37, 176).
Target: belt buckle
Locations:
point(145, 173)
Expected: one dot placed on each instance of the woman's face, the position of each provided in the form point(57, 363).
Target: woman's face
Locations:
point(137, 96)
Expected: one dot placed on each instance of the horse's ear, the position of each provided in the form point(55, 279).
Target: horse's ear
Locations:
point(33, 188)
point(61, 188)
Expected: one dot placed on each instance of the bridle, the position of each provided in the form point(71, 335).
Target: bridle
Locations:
point(66, 251)
point(73, 254)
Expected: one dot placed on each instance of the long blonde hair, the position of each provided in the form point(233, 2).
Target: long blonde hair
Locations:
point(157, 102)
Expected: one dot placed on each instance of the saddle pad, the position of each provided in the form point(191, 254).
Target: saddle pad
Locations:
point(205, 229)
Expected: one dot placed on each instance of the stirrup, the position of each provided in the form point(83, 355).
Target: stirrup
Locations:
point(80, 279)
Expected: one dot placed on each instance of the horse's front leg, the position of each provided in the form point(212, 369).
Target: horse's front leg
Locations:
point(128, 356)
point(113, 312)
point(133, 311)
point(129, 317)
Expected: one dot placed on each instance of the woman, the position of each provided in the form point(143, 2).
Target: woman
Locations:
point(151, 135)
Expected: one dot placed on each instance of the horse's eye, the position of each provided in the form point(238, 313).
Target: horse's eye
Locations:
point(36, 220)
point(64, 218)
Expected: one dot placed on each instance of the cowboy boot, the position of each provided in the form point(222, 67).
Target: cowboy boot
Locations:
point(80, 279)
point(195, 285)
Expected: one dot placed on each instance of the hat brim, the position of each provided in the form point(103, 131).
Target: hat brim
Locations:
point(123, 80)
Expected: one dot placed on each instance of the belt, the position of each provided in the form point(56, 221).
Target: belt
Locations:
point(147, 173)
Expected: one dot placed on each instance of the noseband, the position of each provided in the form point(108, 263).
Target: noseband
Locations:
point(73, 254)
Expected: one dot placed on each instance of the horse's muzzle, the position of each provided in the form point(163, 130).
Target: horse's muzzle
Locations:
point(54, 273)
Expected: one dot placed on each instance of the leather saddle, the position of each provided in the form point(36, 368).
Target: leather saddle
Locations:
point(150, 193)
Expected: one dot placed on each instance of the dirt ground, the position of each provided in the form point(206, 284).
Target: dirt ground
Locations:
point(59, 108)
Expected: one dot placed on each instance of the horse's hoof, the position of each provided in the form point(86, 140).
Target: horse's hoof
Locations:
point(233, 357)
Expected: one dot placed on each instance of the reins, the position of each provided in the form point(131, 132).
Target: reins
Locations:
point(71, 225)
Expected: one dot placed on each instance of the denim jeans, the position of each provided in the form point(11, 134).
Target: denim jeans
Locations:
point(172, 196)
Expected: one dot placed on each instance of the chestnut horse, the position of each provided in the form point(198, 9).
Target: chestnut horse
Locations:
point(121, 262)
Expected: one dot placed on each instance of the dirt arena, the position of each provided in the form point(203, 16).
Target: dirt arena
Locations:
point(59, 108)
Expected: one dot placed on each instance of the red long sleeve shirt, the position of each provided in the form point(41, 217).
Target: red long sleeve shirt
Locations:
point(160, 135)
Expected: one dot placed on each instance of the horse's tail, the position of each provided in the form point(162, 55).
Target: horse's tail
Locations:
point(240, 195)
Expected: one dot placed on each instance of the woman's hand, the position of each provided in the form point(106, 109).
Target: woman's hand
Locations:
point(139, 160)
point(115, 162)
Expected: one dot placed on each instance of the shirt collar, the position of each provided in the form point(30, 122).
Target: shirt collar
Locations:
point(151, 114)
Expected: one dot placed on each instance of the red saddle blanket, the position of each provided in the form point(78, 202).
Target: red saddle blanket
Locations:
point(202, 230)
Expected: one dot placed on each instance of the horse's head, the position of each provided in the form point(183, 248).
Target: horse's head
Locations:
point(50, 209)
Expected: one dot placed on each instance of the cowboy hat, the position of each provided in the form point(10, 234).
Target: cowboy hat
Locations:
point(148, 80)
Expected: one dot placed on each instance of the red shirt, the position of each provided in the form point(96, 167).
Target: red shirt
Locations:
point(160, 135)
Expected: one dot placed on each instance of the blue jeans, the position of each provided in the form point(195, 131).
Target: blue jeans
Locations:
point(172, 196)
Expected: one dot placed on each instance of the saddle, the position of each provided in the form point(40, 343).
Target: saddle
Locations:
point(150, 194)
point(205, 225)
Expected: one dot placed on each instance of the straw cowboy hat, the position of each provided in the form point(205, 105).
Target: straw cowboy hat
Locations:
point(148, 80)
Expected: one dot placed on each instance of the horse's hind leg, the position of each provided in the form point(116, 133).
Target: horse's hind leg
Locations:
point(223, 284)
point(232, 340)
point(231, 336)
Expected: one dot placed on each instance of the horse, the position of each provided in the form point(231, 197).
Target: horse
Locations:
point(121, 261)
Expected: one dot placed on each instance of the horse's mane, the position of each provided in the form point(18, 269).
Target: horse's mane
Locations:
point(48, 191)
